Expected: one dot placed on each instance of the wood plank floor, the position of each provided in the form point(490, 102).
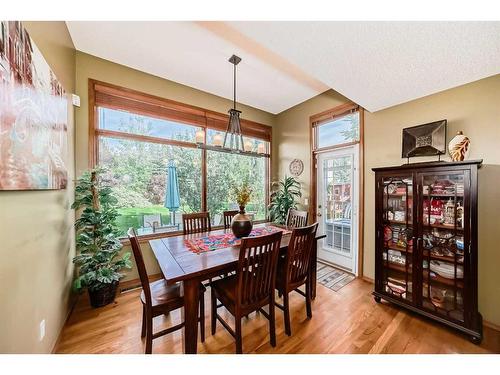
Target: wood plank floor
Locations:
point(347, 321)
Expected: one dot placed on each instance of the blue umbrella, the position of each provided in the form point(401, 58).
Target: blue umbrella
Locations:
point(172, 201)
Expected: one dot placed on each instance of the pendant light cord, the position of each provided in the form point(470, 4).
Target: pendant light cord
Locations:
point(234, 86)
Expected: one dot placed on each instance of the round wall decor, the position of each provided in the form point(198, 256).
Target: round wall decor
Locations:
point(296, 167)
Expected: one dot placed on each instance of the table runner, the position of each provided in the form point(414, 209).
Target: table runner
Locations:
point(221, 241)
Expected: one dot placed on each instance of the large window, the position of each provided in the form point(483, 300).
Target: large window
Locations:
point(158, 173)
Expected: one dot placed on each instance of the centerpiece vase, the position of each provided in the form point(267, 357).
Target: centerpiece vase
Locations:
point(241, 225)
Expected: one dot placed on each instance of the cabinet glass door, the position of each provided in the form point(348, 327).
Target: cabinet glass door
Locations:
point(442, 243)
point(397, 227)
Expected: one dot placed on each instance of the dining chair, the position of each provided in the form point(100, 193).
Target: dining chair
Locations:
point(158, 298)
point(294, 270)
point(296, 218)
point(251, 288)
point(228, 217)
point(196, 223)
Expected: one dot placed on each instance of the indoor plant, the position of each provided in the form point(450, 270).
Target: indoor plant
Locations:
point(241, 225)
point(97, 243)
point(283, 198)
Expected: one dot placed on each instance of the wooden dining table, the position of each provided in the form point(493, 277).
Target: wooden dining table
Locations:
point(178, 263)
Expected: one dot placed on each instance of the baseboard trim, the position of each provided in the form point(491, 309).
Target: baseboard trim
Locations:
point(491, 325)
point(136, 283)
point(368, 279)
point(72, 304)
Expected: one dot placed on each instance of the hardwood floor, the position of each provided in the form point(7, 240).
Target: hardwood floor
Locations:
point(347, 321)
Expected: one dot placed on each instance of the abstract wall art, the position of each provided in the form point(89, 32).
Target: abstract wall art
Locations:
point(33, 115)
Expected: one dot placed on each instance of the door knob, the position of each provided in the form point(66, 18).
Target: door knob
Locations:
point(319, 214)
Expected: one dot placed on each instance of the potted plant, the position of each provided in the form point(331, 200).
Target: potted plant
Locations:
point(97, 242)
point(283, 198)
point(241, 225)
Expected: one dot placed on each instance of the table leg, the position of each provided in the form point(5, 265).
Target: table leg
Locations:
point(191, 303)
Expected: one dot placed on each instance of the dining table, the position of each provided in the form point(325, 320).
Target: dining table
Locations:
point(179, 263)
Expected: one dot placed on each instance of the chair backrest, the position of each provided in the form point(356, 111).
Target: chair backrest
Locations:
point(141, 267)
point(257, 268)
point(196, 223)
point(299, 254)
point(228, 216)
point(296, 218)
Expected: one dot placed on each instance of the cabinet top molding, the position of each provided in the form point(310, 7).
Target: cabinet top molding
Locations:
point(431, 164)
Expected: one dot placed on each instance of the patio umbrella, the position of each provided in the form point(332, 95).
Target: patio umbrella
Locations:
point(172, 201)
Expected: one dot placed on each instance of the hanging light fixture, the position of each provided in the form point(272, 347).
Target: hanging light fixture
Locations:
point(233, 138)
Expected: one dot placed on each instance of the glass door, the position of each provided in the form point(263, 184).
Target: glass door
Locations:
point(442, 236)
point(337, 207)
point(397, 237)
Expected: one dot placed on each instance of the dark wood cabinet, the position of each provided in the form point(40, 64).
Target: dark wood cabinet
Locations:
point(426, 241)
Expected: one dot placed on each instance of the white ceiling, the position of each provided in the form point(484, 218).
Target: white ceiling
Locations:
point(188, 53)
point(375, 64)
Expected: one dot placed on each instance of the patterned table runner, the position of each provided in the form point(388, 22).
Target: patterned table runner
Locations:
point(221, 241)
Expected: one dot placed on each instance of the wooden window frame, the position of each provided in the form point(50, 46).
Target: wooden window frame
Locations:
point(102, 94)
point(316, 121)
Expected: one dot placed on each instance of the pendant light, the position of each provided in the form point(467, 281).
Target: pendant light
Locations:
point(233, 138)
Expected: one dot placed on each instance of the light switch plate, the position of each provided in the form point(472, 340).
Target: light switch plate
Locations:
point(76, 100)
point(42, 330)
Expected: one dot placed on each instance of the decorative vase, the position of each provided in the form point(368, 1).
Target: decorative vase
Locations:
point(104, 296)
point(459, 147)
point(241, 225)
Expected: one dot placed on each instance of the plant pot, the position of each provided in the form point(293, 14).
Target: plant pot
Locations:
point(241, 225)
point(103, 296)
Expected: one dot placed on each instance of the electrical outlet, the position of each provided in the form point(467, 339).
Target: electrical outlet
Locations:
point(42, 330)
point(306, 201)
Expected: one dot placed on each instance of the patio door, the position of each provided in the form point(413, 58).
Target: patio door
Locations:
point(337, 206)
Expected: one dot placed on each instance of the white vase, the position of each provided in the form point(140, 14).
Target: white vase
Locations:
point(459, 147)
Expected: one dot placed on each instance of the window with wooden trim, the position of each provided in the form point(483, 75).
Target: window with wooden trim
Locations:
point(336, 128)
point(140, 139)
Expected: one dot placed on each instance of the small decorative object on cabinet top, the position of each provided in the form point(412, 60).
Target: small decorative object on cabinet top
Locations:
point(296, 167)
point(459, 147)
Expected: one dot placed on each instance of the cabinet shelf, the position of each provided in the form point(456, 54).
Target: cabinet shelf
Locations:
point(443, 226)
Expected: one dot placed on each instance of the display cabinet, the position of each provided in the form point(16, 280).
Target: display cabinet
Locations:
point(426, 241)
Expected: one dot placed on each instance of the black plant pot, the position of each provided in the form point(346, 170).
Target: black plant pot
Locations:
point(241, 225)
point(103, 296)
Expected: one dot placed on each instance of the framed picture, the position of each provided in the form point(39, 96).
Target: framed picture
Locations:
point(33, 116)
point(425, 140)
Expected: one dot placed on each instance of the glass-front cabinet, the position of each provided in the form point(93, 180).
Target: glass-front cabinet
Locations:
point(426, 241)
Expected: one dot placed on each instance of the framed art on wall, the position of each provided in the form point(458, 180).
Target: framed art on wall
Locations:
point(33, 115)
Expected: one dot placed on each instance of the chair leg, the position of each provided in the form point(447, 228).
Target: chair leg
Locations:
point(202, 317)
point(308, 299)
point(286, 311)
point(214, 311)
point(237, 331)
point(149, 332)
point(143, 330)
point(272, 322)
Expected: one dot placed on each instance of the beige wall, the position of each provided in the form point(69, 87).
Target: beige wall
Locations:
point(472, 108)
point(37, 232)
point(88, 66)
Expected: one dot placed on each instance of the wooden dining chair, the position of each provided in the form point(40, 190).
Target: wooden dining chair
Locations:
point(296, 218)
point(158, 298)
point(228, 217)
point(251, 288)
point(295, 270)
point(197, 222)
